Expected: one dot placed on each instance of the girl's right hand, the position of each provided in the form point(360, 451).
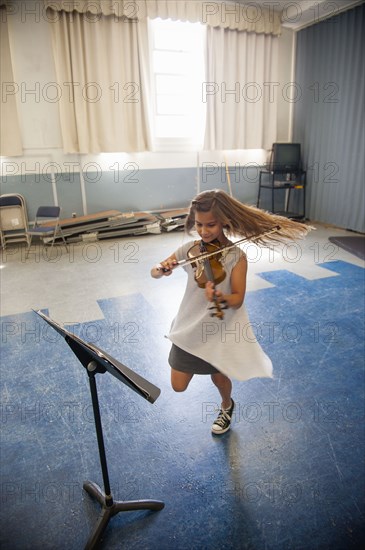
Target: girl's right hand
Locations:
point(164, 268)
point(167, 266)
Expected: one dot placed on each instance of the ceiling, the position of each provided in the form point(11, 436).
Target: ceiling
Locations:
point(301, 13)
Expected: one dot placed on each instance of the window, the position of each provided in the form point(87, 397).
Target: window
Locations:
point(178, 72)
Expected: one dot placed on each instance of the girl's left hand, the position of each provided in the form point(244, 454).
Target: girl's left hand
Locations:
point(211, 293)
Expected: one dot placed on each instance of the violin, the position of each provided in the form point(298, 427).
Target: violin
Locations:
point(202, 254)
point(209, 269)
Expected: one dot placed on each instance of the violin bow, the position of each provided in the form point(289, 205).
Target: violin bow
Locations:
point(206, 255)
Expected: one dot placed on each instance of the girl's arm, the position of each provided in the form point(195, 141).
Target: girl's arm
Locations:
point(164, 268)
point(238, 286)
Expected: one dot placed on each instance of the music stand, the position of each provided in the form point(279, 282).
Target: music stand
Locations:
point(97, 361)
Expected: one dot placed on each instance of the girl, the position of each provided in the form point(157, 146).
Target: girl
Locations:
point(204, 345)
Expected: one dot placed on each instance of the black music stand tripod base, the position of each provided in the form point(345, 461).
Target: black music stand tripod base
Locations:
point(105, 499)
point(111, 508)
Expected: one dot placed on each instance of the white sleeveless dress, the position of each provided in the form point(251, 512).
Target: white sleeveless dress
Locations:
point(228, 345)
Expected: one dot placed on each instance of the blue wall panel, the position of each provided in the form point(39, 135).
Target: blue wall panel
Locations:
point(132, 190)
point(140, 189)
point(69, 194)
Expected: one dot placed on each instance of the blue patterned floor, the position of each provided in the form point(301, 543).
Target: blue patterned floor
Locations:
point(289, 475)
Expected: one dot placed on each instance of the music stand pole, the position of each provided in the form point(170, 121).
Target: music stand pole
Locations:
point(95, 361)
point(109, 507)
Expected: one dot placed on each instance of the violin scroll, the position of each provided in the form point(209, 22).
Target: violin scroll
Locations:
point(218, 307)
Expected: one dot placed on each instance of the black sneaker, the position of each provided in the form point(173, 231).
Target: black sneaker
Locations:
point(223, 420)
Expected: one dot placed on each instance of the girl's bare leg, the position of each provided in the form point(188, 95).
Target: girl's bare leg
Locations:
point(224, 386)
point(180, 380)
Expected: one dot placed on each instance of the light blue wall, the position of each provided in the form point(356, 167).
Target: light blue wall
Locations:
point(69, 194)
point(140, 190)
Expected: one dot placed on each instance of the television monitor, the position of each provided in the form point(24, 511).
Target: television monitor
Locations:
point(285, 157)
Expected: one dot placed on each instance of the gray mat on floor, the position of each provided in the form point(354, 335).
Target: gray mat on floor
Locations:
point(355, 245)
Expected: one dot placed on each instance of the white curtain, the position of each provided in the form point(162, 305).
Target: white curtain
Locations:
point(102, 64)
point(99, 64)
point(241, 90)
point(250, 17)
point(10, 136)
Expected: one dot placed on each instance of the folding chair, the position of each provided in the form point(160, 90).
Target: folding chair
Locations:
point(13, 219)
point(47, 226)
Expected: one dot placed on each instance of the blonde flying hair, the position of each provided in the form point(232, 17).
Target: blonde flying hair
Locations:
point(242, 220)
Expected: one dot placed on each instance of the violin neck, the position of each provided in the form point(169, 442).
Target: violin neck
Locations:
point(207, 266)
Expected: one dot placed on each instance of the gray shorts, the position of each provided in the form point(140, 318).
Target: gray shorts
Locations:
point(186, 362)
